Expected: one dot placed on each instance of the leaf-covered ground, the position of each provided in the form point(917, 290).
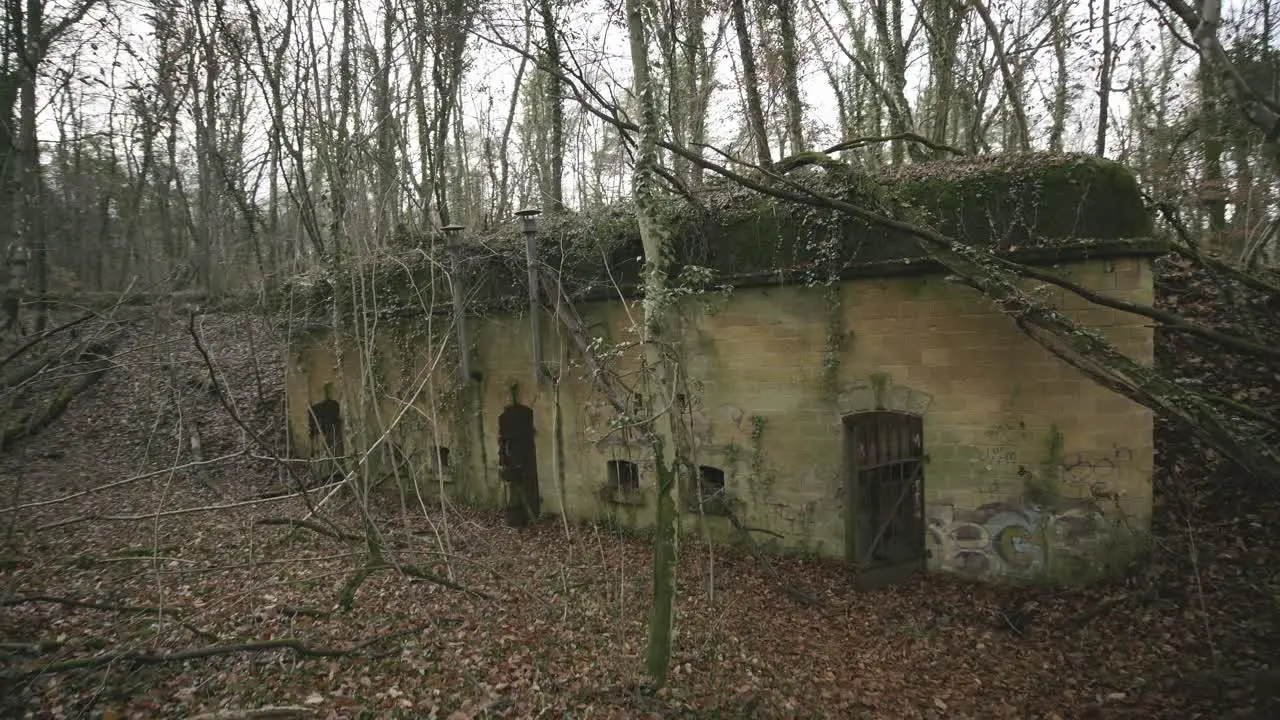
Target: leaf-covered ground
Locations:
point(551, 619)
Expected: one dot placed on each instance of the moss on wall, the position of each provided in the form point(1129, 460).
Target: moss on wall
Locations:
point(1006, 201)
point(923, 346)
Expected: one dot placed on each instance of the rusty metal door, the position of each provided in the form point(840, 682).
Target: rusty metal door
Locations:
point(885, 490)
point(518, 462)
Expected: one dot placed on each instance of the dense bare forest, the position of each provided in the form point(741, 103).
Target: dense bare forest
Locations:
point(175, 176)
point(224, 145)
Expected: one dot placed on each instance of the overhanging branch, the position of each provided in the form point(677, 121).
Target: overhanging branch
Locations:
point(996, 278)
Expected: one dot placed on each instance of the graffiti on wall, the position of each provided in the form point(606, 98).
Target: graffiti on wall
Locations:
point(1096, 471)
point(1025, 536)
point(1013, 539)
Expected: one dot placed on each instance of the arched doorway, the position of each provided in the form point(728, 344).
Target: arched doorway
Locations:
point(518, 460)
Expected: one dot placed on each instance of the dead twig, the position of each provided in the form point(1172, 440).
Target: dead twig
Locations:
point(281, 712)
point(135, 659)
point(313, 527)
point(278, 712)
point(119, 483)
point(72, 602)
point(221, 394)
point(793, 592)
point(181, 511)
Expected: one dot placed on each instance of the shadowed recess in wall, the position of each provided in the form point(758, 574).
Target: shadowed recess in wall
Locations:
point(518, 460)
point(324, 421)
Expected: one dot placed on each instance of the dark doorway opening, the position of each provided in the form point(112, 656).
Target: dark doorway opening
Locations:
point(324, 420)
point(324, 425)
point(885, 495)
point(518, 463)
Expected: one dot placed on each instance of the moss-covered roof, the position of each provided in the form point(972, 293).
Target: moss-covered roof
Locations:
point(1008, 202)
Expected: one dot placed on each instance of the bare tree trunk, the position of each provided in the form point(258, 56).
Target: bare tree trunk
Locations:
point(887, 16)
point(660, 356)
point(791, 75)
point(553, 176)
point(750, 84)
point(504, 204)
point(1213, 192)
point(1013, 88)
point(946, 22)
point(31, 217)
point(1058, 110)
point(205, 106)
point(388, 204)
point(1104, 80)
point(1243, 219)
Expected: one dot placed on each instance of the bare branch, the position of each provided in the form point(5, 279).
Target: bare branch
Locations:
point(71, 602)
point(297, 646)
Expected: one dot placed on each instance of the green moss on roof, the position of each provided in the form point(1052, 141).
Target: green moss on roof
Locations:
point(1031, 200)
point(1026, 199)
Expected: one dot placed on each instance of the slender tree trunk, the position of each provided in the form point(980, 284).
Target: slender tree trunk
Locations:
point(1213, 188)
point(1013, 87)
point(946, 20)
point(791, 75)
point(699, 77)
point(1104, 81)
point(750, 84)
point(660, 357)
point(1058, 110)
point(387, 202)
point(32, 215)
point(887, 17)
point(553, 175)
point(1244, 205)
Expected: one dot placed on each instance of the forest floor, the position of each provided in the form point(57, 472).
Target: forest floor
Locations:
point(192, 602)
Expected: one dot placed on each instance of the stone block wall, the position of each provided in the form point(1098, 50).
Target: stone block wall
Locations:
point(1032, 470)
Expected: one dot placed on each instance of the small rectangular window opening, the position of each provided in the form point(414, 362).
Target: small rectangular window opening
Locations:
point(624, 475)
point(710, 482)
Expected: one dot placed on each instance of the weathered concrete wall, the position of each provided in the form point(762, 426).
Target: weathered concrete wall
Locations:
point(1033, 471)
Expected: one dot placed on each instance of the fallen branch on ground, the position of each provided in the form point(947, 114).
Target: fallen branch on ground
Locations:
point(793, 592)
point(28, 371)
point(172, 513)
point(71, 602)
point(33, 423)
point(313, 527)
point(134, 659)
point(119, 483)
point(282, 712)
point(347, 596)
point(45, 336)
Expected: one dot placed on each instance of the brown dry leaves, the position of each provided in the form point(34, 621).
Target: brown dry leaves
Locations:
point(564, 636)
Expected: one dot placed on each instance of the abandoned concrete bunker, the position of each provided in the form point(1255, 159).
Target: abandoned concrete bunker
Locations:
point(846, 397)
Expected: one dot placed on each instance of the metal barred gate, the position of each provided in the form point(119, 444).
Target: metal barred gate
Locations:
point(885, 494)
